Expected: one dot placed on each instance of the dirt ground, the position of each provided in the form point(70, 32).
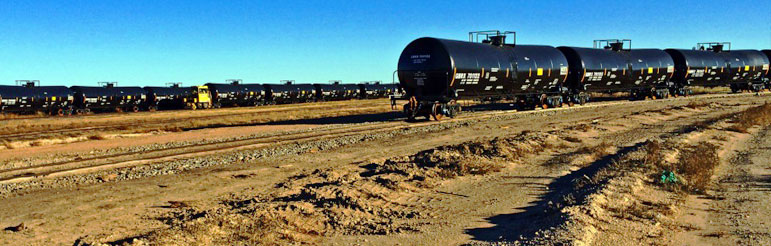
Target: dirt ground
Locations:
point(557, 176)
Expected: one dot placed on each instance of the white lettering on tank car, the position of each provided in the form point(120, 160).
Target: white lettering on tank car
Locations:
point(564, 70)
point(494, 70)
point(670, 69)
point(499, 87)
point(493, 79)
point(487, 88)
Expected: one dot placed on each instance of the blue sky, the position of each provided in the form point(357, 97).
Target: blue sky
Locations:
point(153, 42)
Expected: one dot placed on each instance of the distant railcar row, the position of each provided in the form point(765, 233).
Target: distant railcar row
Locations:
point(435, 73)
point(28, 96)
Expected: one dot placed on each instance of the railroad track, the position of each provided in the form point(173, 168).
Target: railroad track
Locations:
point(35, 135)
point(128, 159)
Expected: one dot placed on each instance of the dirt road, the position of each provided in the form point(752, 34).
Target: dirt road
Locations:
point(412, 185)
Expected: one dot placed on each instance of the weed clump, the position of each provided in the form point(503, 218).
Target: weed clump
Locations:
point(755, 116)
point(693, 168)
point(599, 150)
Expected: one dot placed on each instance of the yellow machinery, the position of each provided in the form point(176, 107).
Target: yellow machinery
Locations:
point(201, 98)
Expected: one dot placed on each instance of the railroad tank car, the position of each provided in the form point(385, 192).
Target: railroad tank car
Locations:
point(304, 92)
point(651, 70)
point(751, 66)
point(234, 94)
point(435, 72)
point(290, 92)
point(711, 65)
point(699, 67)
point(108, 97)
point(377, 90)
point(329, 92)
point(29, 97)
point(613, 68)
point(256, 94)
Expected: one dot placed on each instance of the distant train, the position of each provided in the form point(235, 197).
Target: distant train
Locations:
point(28, 96)
point(435, 73)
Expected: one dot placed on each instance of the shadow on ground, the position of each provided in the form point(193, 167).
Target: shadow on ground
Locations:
point(541, 215)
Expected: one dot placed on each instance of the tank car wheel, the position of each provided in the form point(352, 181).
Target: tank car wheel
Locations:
point(134, 109)
point(152, 108)
point(653, 97)
point(436, 112)
point(193, 106)
point(571, 104)
point(59, 112)
point(545, 106)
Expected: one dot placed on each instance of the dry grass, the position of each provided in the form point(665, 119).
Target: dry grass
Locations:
point(755, 116)
point(696, 104)
point(710, 90)
point(597, 151)
point(697, 165)
point(694, 167)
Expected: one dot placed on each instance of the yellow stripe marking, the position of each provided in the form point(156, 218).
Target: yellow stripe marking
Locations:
point(454, 70)
point(540, 72)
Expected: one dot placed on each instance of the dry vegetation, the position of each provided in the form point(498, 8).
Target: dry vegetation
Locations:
point(710, 90)
point(696, 104)
point(755, 116)
point(693, 168)
point(596, 151)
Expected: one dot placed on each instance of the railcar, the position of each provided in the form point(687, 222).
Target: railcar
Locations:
point(234, 94)
point(290, 92)
point(436, 72)
point(336, 91)
point(712, 65)
point(28, 97)
point(616, 68)
point(376, 90)
point(108, 97)
point(329, 92)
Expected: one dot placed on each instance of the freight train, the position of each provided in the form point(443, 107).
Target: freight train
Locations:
point(28, 96)
point(436, 73)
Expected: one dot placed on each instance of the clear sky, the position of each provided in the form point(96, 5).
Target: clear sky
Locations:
point(140, 42)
